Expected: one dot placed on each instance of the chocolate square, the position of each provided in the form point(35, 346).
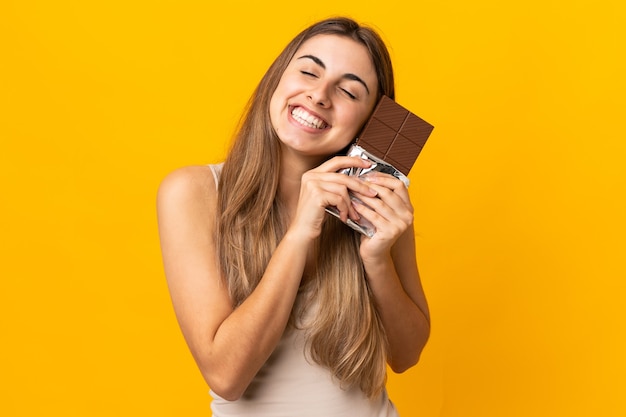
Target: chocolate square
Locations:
point(394, 134)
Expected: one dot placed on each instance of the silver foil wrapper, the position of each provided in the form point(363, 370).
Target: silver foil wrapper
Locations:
point(363, 225)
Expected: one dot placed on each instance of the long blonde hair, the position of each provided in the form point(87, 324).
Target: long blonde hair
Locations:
point(346, 335)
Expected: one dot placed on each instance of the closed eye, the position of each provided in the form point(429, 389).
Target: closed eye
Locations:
point(349, 94)
point(310, 74)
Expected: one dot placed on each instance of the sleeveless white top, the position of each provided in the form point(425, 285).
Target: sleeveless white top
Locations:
point(292, 385)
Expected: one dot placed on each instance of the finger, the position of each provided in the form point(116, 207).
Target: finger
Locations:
point(390, 182)
point(397, 201)
point(387, 224)
point(390, 206)
point(352, 183)
point(346, 198)
point(335, 194)
point(340, 162)
point(344, 208)
point(384, 179)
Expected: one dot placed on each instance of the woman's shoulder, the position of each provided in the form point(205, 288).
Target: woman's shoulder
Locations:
point(189, 188)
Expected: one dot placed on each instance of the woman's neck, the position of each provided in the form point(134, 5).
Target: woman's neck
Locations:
point(292, 168)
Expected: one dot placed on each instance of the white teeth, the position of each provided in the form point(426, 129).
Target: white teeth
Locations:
point(307, 119)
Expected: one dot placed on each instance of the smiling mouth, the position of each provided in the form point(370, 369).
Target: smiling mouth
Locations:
point(307, 119)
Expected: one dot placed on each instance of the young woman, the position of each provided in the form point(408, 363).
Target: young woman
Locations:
point(286, 310)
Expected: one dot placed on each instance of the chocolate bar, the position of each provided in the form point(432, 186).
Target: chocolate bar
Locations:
point(394, 134)
point(392, 139)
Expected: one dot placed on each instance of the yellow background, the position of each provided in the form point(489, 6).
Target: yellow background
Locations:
point(519, 195)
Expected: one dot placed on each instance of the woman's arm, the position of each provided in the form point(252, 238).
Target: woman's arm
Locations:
point(229, 346)
point(391, 268)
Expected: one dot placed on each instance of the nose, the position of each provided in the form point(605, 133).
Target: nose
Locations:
point(319, 95)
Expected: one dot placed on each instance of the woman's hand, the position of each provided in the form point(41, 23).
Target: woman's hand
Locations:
point(391, 213)
point(323, 187)
point(389, 260)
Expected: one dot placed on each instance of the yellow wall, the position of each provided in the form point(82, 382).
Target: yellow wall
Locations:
point(519, 195)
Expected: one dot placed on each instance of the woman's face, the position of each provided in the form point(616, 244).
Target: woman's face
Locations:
point(324, 96)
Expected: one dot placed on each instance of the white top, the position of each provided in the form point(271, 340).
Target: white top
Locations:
point(292, 385)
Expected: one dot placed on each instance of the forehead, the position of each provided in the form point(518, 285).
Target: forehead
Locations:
point(338, 52)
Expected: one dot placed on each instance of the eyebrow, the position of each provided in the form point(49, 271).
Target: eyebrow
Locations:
point(348, 76)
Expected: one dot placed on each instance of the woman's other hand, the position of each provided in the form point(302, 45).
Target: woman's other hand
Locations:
point(390, 212)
